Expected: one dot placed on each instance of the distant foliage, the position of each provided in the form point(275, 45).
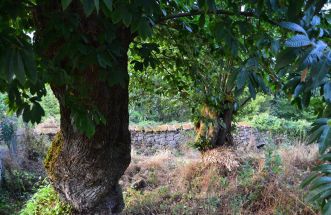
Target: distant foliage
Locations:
point(260, 104)
point(50, 105)
point(146, 106)
point(266, 122)
point(3, 106)
point(282, 108)
point(7, 131)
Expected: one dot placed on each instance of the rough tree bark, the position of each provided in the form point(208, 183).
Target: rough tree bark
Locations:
point(211, 132)
point(85, 172)
point(223, 135)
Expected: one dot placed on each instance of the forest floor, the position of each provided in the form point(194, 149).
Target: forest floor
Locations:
point(239, 181)
point(223, 181)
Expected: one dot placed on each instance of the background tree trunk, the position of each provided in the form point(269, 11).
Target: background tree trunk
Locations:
point(210, 133)
point(223, 134)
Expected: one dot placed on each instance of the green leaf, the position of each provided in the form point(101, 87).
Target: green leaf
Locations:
point(298, 41)
point(65, 3)
point(320, 181)
point(30, 65)
point(326, 157)
point(324, 168)
point(242, 78)
point(315, 135)
point(104, 60)
point(19, 71)
point(309, 179)
point(127, 18)
point(144, 29)
point(285, 58)
point(26, 113)
point(36, 113)
point(298, 90)
point(327, 208)
point(327, 92)
point(293, 27)
point(11, 67)
point(109, 4)
point(315, 194)
point(88, 6)
point(97, 6)
point(325, 139)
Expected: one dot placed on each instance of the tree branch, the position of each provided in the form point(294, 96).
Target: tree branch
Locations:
point(215, 12)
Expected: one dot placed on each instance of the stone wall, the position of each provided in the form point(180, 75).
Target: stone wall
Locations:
point(162, 135)
point(171, 135)
point(151, 135)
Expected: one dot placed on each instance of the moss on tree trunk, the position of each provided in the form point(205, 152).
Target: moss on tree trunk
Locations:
point(214, 128)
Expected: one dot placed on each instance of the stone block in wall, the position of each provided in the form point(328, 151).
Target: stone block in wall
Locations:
point(173, 127)
point(187, 126)
point(161, 128)
point(172, 143)
point(148, 128)
point(163, 141)
point(157, 137)
point(177, 135)
point(169, 137)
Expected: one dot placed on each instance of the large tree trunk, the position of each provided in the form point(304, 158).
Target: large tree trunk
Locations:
point(85, 172)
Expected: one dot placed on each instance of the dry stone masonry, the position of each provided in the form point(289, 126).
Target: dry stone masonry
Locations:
point(162, 135)
point(171, 135)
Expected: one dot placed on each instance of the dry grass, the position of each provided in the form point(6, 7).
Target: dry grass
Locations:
point(223, 181)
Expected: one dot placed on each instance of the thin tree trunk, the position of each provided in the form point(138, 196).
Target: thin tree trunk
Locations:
point(223, 135)
point(214, 135)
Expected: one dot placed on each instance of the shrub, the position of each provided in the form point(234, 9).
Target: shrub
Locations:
point(266, 122)
point(17, 181)
point(35, 147)
point(45, 202)
point(259, 105)
point(7, 205)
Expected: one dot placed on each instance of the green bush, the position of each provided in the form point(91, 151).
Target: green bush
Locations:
point(8, 206)
point(259, 105)
point(18, 181)
point(267, 122)
point(281, 107)
point(45, 202)
point(145, 106)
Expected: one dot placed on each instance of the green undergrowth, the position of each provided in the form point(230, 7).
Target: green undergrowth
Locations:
point(293, 128)
point(265, 182)
point(45, 202)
